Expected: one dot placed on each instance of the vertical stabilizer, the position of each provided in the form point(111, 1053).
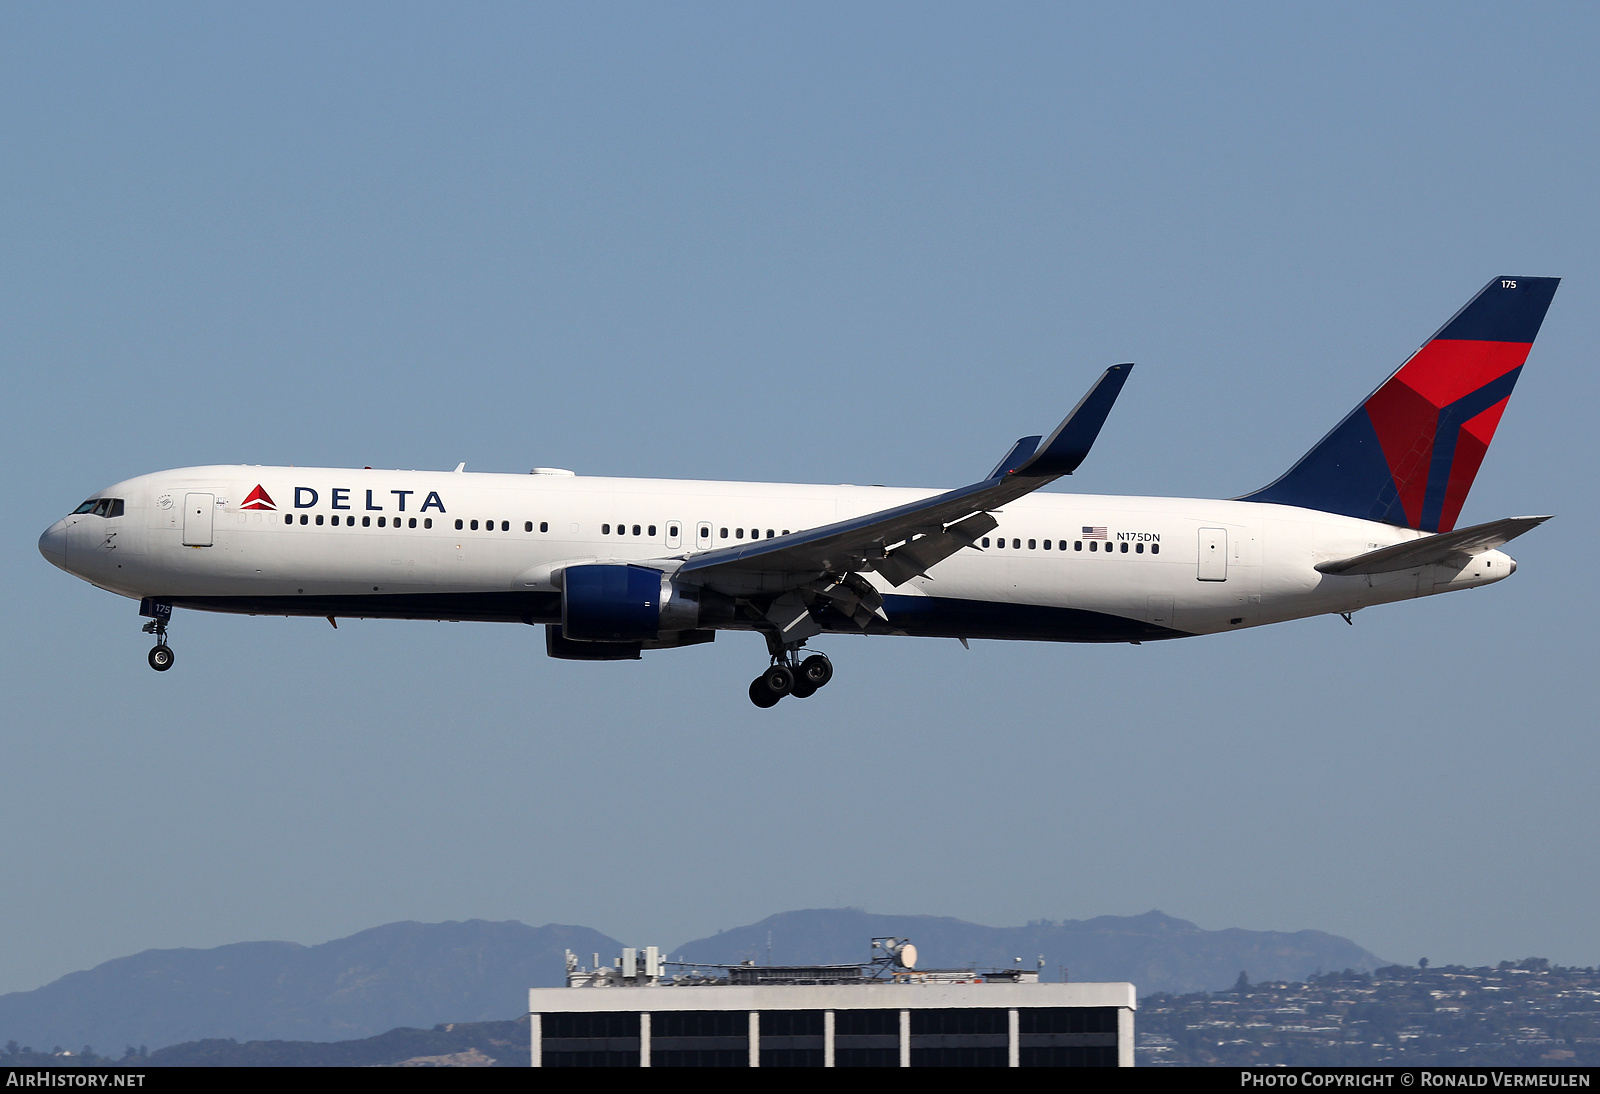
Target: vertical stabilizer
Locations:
point(1408, 454)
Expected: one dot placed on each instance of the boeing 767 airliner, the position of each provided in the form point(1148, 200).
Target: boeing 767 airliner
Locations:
point(612, 567)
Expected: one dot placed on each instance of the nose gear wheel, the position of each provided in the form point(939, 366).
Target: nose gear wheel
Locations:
point(160, 656)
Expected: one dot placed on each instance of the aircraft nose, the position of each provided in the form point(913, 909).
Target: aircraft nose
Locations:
point(53, 544)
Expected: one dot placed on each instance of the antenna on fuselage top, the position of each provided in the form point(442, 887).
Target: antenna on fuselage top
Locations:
point(460, 467)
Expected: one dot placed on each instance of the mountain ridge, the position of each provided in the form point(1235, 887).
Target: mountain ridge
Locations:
point(419, 975)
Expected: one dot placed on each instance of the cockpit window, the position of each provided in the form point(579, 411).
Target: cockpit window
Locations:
point(101, 507)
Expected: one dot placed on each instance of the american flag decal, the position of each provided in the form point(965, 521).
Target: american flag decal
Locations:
point(1097, 532)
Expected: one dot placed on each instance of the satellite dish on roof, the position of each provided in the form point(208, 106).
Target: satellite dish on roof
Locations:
point(905, 955)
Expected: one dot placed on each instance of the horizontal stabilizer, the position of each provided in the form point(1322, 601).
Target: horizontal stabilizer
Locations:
point(1430, 549)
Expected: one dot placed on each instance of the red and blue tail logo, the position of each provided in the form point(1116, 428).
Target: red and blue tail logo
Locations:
point(1409, 453)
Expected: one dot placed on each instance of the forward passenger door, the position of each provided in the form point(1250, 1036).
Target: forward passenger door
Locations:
point(198, 512)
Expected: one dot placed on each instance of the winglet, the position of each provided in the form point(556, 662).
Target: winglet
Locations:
point(1020, 451)
point(1069, 445)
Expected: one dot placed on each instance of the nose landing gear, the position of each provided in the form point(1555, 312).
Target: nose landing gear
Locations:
point(790, 676)
point(160, 614)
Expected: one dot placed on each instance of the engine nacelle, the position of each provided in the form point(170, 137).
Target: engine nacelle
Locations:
point(614, 602)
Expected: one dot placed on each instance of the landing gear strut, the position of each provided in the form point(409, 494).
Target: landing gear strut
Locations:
point(160, 614)
point(789, 675)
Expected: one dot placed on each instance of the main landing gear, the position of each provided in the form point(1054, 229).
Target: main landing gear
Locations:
point(160, 614)
point(790, 676)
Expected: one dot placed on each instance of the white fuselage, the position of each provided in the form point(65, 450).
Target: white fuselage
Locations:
point(331, 541)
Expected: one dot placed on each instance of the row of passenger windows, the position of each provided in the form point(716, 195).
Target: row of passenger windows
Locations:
point(527, 526)
point(1077, 545)
point(505, 525)
point(366, 522)
point(673, 530)
point(650, 530)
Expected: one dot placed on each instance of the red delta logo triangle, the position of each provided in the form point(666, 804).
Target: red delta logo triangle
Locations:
point(258, 499)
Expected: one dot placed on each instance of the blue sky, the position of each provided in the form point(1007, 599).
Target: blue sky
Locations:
point(797, 243)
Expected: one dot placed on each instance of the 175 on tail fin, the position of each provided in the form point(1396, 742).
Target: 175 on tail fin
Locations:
point(1408, 454)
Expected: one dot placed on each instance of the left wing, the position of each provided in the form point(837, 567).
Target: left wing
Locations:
point(905, 541)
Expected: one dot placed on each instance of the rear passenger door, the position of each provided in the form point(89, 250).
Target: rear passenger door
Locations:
point(1213, 554)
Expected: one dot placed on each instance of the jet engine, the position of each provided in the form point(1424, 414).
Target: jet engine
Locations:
point(614, 602)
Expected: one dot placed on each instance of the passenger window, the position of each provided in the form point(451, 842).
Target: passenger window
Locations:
point(288, 518)
point(786, 531)
point(527, 526)
point(605, 529)
point(1124, 547)
point(366, 522)
point(1063, 545)
point(986, 541)
point(1046, 545)
point(303, 519)
point(544, 526)
point(458, 524)
point(1016, 545)
point(724, 533)
point(319, 518)
point(1155, 548)
point(771, 534)
point(1138, 548)
point(672, 530)
point(505, 526)
point(635, 529)
point(1033, 545)
point(427, 522)
point(383, 522)
point(1077, 545)
point(651, 529)
point(1000, 542)
point(412, 523)
point(1094, 545)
